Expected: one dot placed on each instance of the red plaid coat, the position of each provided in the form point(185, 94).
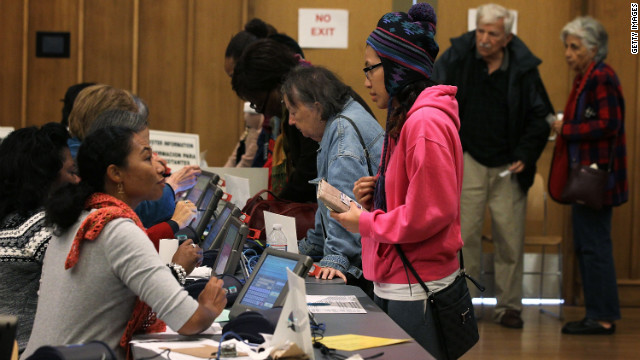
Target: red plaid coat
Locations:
point(592, 121)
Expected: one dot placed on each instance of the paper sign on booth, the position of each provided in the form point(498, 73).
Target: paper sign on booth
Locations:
point(323, 28)
point(178, 149)
point(238, 187)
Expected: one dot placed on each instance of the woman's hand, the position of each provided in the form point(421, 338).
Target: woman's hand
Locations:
point(211, 302)
point(557, 126)
point(328, 273)
point(184, 179)
point(188, 255)
point(213, 296)
point(363, 190)
point(350, 219)
point(184, 213)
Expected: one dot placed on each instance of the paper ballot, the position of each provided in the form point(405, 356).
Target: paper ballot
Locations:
point(333, 198)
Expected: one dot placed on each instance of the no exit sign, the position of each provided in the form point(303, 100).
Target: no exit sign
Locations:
point(323, 28)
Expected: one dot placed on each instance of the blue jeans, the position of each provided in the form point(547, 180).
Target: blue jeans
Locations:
point(411, 317)
point(594, 249)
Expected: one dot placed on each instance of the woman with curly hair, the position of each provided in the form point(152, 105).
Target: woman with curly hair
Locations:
point(34, 162)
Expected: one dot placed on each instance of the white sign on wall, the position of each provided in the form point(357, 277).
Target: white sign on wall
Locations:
point(178, 149)
point(323, 28)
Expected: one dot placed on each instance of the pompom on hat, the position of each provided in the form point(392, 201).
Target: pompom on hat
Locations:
point(406, 45)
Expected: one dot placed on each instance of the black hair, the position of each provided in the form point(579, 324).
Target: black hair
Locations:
point(402, 103)
point(30, 162)
point(254, 30)
point(262, 68)
point(104, 147)
point(307, 85)
point(124, 118)
point(238, 43)
point(289, 42)
point(70, 98)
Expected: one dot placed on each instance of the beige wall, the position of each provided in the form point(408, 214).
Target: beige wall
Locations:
point(170, 52)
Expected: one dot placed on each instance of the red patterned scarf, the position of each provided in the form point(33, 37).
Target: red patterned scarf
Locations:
point(109, 208)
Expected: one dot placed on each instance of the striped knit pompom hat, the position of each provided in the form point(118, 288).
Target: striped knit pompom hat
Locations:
point(406, 45)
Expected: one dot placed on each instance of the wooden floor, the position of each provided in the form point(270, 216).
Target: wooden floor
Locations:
point(541, 337)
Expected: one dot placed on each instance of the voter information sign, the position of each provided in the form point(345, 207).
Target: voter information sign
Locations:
point(323, 28)
point(178, 149)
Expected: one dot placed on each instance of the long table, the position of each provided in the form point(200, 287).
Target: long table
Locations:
point(374, 323)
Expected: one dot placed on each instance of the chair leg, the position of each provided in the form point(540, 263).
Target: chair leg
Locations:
point(478, 317)
point(559, 274)
point(541, 287)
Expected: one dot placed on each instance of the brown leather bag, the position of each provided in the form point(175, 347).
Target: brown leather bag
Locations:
point(585, 186)
point(305, 213)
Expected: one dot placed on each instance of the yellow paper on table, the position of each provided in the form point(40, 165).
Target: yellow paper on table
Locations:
point(351, 342)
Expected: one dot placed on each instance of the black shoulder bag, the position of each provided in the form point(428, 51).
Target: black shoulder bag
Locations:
point(587, 186)
point(452, 311)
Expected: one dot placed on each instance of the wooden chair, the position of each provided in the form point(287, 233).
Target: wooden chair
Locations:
point(537, 237)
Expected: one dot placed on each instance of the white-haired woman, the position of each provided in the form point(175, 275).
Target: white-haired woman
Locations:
point(592, 132)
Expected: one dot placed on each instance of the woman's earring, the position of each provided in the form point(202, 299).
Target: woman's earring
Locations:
point(120, 190)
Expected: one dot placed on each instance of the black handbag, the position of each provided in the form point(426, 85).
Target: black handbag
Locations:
point(586, 185)
point(452, 310)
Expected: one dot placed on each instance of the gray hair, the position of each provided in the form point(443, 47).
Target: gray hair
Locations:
point(592, 34)
point(308, 85)
point(143, 109)
point(122, 118)
point(491, 13)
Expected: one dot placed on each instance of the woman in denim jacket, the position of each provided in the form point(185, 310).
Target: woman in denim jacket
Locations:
point(323, 109)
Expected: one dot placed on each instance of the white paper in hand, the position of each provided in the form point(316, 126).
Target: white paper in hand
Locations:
point(333, 198)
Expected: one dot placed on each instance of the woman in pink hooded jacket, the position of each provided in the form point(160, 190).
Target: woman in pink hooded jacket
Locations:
point(414, 201)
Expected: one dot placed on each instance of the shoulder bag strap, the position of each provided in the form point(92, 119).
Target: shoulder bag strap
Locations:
point(407, 264)
point(364, 147)
point(366, 154)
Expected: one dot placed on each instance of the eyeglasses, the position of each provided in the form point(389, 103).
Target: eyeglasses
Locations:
point(254, 106)
point(369, 68)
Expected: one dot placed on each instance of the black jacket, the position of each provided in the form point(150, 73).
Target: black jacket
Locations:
point(528, 101)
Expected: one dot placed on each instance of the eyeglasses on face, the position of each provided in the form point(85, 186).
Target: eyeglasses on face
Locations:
point(368, 69)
